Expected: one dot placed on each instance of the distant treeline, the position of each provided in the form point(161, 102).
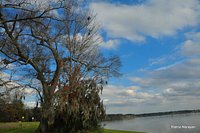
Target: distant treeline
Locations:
point(16, 111)
point(111, 117)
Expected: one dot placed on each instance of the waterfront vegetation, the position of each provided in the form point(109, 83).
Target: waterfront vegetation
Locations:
point(30, 127)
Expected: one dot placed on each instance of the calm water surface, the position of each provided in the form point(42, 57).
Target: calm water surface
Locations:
point(181, 123)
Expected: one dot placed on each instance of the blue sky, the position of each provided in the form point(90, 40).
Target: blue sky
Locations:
point(158, 43)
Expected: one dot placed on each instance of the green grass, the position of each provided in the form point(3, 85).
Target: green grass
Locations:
point(30, 127)
point(16, 127)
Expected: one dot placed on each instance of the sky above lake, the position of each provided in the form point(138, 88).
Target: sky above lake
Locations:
point(158, 42)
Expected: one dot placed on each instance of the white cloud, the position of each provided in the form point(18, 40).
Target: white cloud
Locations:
point(193, 36)
point(191, 47)
point(106, 44)
point(43, 4)
point(110, 44)
point(180, 79)
point(30, 104)
point(122, 97)
point(153, 18)
point(170, 87)
point(29, 91)
point(157, 61)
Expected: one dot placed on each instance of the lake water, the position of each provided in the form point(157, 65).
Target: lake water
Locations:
point(181, 123)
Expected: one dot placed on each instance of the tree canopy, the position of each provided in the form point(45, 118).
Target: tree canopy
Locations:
point(52, 47)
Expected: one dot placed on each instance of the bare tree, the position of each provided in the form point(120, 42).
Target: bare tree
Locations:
point(57, 45)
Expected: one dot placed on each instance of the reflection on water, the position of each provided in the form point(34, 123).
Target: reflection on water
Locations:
point(182, 123)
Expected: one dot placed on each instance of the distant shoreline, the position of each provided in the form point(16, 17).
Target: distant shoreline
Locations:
point(113, 117)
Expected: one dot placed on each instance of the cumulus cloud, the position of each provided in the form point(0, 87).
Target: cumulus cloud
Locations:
point(153, 18)
point(180, 79)
point(191, 47)
point(169, 87)
point(110, 44)
point(122, 97)
point(172, 87)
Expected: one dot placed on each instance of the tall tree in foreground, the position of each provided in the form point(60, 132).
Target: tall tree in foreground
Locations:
point(53, 47)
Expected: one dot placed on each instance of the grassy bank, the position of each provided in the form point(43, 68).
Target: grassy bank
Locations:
point(30, 127)
point(17, 127)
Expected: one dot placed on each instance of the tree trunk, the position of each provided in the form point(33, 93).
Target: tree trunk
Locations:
point(47, 116)
point(43, 127)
